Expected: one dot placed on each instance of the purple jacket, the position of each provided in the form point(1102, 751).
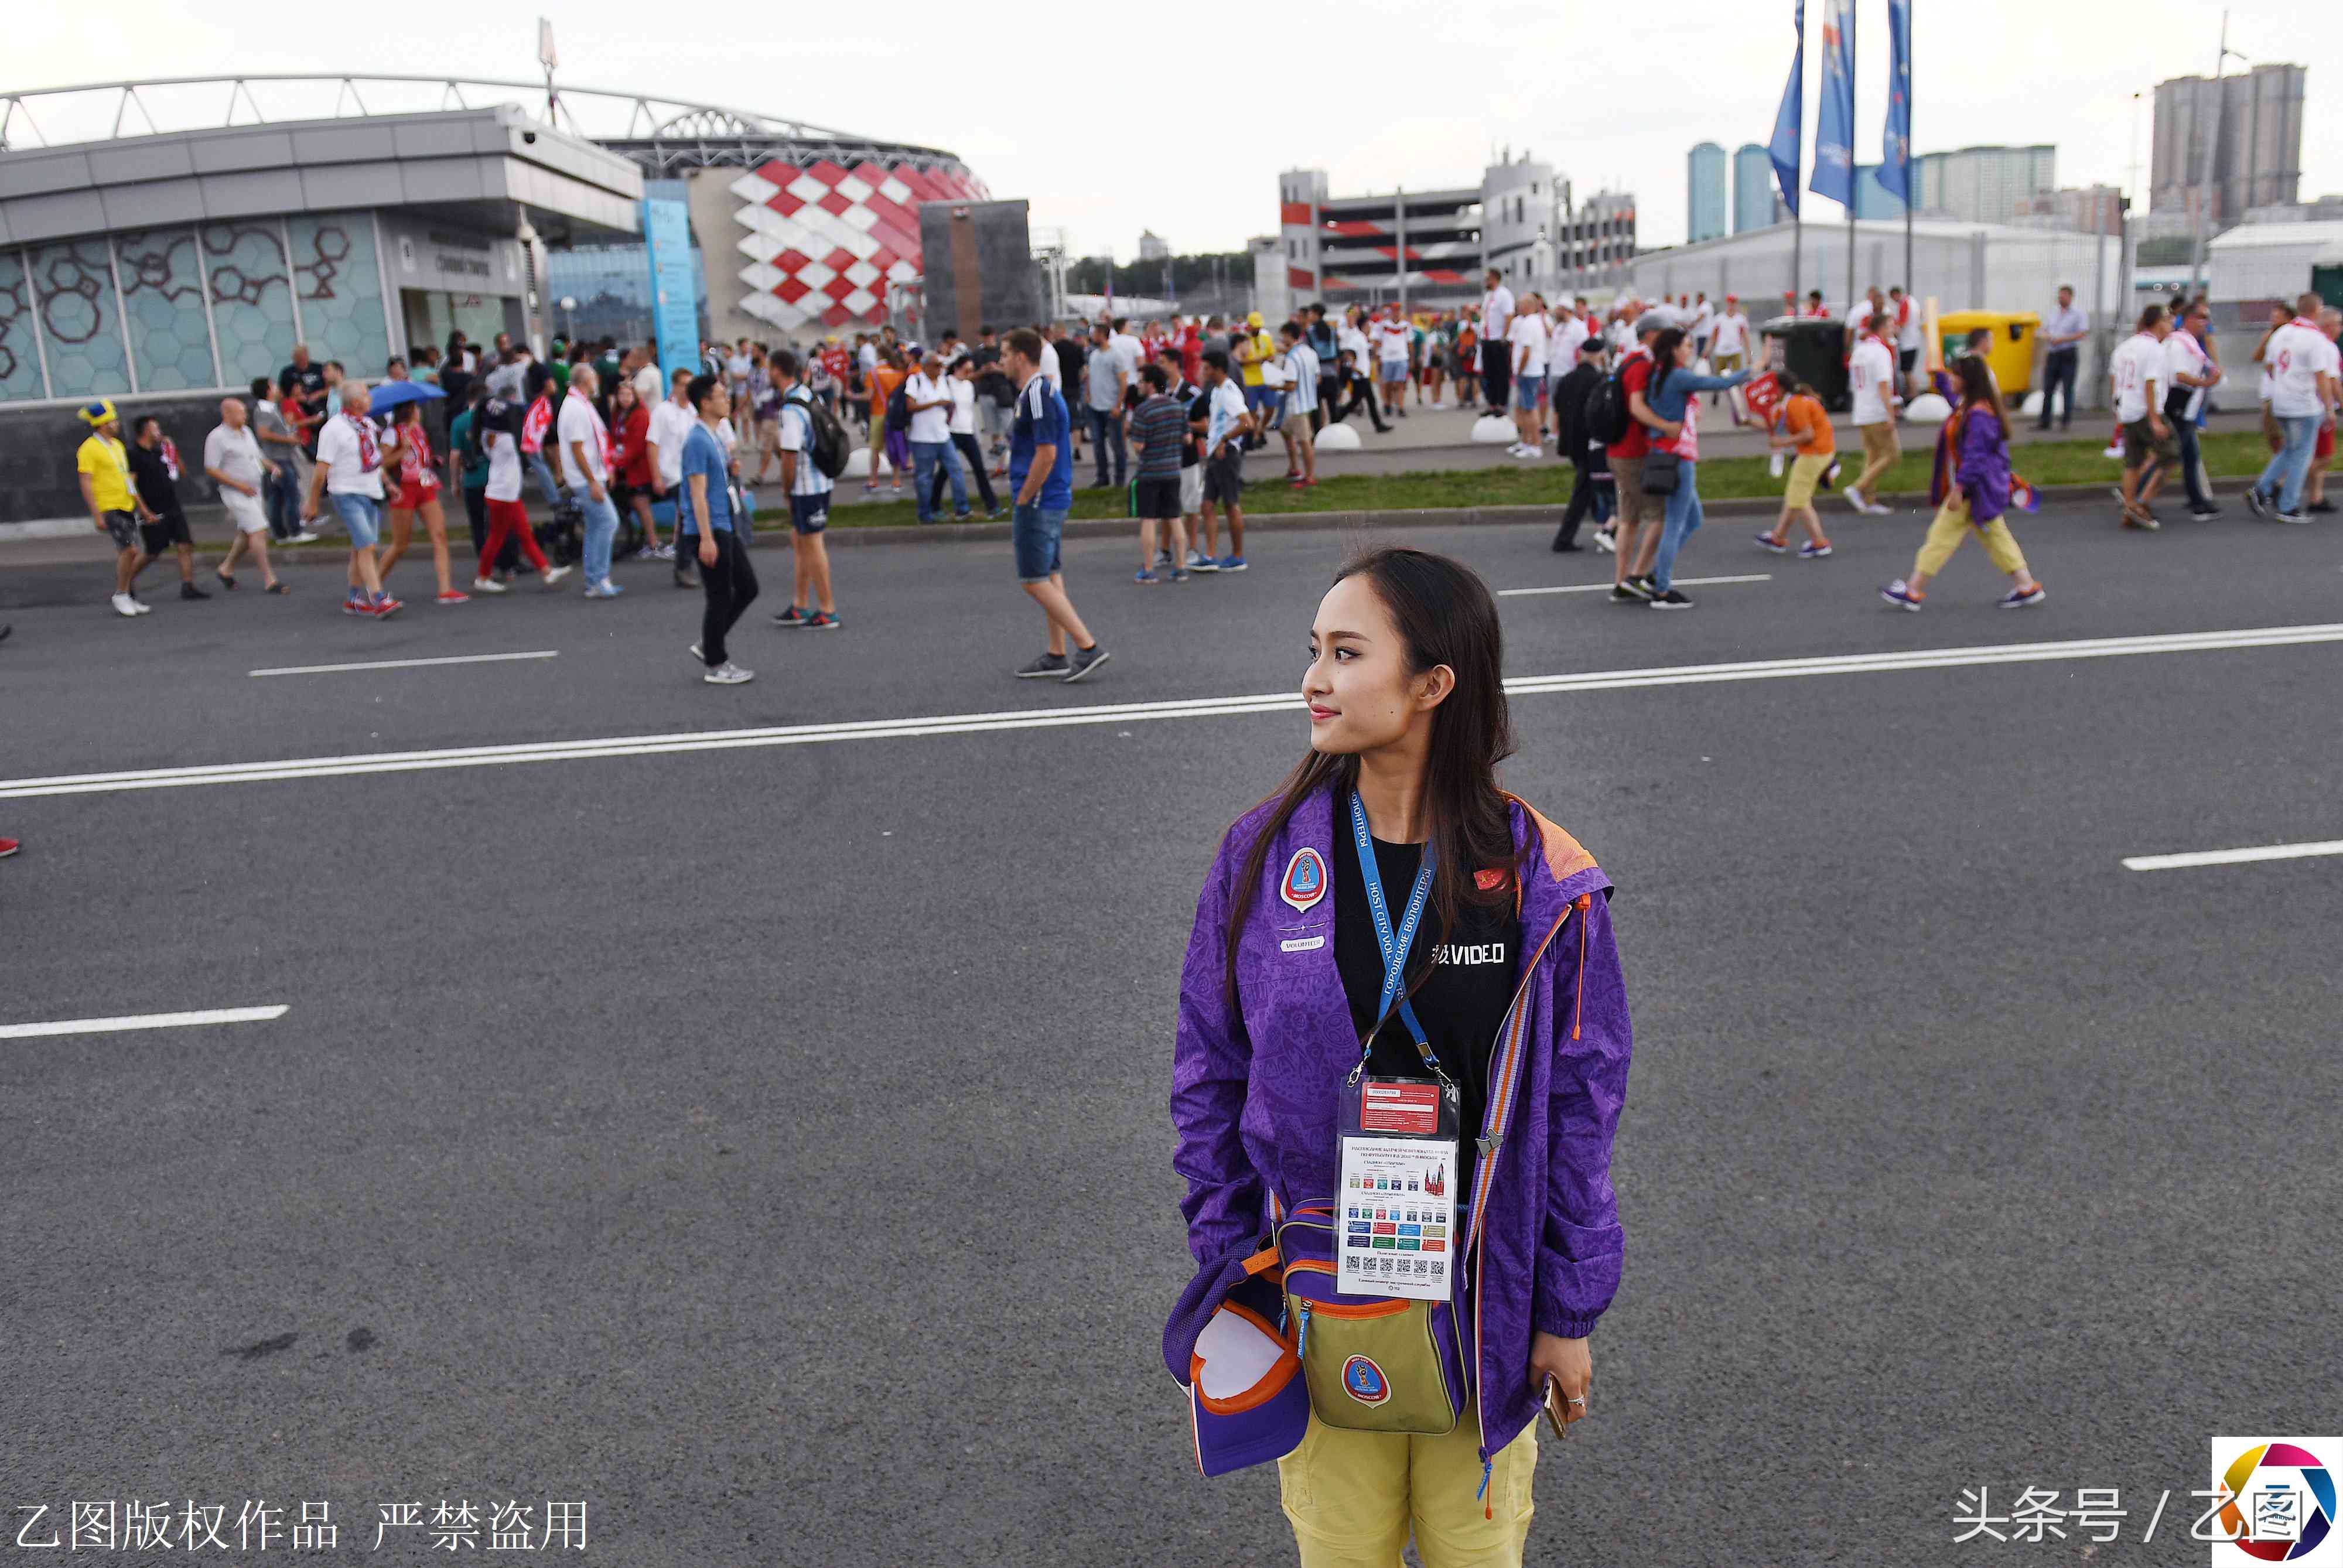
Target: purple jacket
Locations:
point(1255, 1095)
point(1981, 468)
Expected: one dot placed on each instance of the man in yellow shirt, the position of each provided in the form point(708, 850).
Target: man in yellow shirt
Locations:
point(1254, 350)
point(114, 507)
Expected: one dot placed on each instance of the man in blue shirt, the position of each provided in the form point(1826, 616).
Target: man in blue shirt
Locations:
point(1041, 478)
point(704, 509)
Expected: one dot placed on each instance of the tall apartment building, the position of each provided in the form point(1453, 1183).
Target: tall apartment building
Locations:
point(1705, 209)
point(2091, 209)
point(1756, 203)
point(2254, 122)
point(1985, 185)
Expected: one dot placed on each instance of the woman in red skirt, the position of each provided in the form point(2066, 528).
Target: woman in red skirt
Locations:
point(419, 491)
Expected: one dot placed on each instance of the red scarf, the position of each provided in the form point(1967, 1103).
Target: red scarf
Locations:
point(369, 450)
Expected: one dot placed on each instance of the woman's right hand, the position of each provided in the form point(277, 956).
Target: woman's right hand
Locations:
point(707, 550)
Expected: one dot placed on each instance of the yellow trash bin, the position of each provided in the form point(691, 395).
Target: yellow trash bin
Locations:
point(2012, 358)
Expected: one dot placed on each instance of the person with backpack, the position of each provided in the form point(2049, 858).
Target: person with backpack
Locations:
point(1675, 445)
point(1619, 414)
point(813, 453)
point(965, 385)
point(1402, 998)
point(1973, 490)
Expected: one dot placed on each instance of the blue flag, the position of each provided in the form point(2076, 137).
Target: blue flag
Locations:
point(1835, 128)
point(1895, 149)
point(1790, 121)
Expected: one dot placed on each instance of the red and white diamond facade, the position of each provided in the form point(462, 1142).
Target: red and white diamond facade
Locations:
point(822, 242)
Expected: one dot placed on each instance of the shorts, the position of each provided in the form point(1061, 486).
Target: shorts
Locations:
point(1628, 475)
point(122, 528)
point(810, 513)
point(1806, 470)
point(361, 515)
point(2140, 442)
point(1159, 498)
point(1192, 489)
point(245, 511)
point(2326, 447)
point(411, 498)
point(1526, 392)
point(161, 536)
point(1297, 421)
point(1034, 536)
point(1395, 370)
point(1224, 478)
point(1879, 443)
point(1726, 362)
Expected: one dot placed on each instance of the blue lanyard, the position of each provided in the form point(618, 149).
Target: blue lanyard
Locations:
point(1394, 946)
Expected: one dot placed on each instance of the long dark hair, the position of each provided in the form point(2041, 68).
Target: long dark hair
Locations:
point(1445, 615)
point(1663, 358)
point(1977, 388)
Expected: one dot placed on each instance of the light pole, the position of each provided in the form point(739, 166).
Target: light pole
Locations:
point(2212, 139)
point(568, 320)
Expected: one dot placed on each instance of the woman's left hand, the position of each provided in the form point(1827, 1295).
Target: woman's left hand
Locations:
point(1570, 1365)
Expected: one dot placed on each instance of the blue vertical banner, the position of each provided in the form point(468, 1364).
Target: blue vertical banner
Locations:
point(1896, 146)
point(1790, 120)
point(1834, 119)
point(675, 303)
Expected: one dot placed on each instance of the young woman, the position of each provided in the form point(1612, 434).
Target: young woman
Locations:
point(1974, 496)
point(1804, 426)
point(1672, 395)
point(1506, 1006)
point(895, 444)
point(630, 466)
point(467, 472)
point(418, 491)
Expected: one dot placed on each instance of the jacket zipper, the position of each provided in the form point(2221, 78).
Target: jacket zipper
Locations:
point(1489, 1152)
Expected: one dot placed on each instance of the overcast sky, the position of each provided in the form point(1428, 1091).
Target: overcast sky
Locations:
point(1111, 120)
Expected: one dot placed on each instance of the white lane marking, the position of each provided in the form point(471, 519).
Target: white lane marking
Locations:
point(143, 1021)
point(2231, 857)
point(1188, 708)
point(404, 663)
point(1605, 587)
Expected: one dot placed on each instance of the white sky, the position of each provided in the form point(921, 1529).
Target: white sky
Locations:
point(1109, 127)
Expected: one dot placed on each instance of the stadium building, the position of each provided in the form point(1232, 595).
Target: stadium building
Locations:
point(163, 242)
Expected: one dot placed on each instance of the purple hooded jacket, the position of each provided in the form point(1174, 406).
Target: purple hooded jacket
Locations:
point(1253, 1096)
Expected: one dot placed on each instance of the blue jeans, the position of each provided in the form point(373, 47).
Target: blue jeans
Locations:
point(1107, 424)
point(2192, 465)
point(925, 455)
point(361, 517)
point(2292, 464)
point(543, 472)
point(1034, 535)
point(601, 528)
point(1683, 517)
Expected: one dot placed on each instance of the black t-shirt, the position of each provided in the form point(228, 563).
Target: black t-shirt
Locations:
point(1196, 400)
point(1462, 1002)
point(153, 477)
point(1070, 356)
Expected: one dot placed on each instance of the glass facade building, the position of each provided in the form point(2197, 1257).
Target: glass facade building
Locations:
point(185, 307)
point(1704, 214)
point(612, 284)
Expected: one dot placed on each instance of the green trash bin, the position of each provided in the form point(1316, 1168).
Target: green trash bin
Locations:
point(1813, 350)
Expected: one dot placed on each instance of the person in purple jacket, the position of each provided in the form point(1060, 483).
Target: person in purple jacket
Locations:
point(1509, 996)
point(1979, 491)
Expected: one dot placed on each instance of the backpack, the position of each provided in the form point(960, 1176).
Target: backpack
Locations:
point(1606, 416)
point(898, 410)
point(829, 447)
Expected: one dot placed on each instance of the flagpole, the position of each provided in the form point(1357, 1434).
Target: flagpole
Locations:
point(1911, 181)
point(1854, 181)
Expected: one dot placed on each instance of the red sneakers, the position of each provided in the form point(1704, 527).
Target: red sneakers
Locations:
point(8, 847)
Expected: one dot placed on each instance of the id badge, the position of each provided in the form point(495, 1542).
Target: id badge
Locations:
point(1397, 1230)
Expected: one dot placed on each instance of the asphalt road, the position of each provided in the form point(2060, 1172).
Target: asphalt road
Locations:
point(767, 1144)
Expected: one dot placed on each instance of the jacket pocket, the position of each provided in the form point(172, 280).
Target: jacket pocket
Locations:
point(1372, 1363)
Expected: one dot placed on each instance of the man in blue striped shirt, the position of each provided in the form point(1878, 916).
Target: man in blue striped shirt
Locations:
point(1301, 407)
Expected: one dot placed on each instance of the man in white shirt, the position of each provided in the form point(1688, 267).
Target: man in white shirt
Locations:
point(585, 462)
point(1728, 349)
point(232, 460)
point(350, 470)
point(812, 607)
point(1394, 342)
point(2189, 370)
point(1871, 371)
point(1497, 347)
point(930, 398)
point(1703, 327)
point(2304, 394)
point(1127, 348)
point(2147, 446)
point(672, 422)
point(1568, 334)
point(1528, 337)
point(2063, 331)
point(1906, 315)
